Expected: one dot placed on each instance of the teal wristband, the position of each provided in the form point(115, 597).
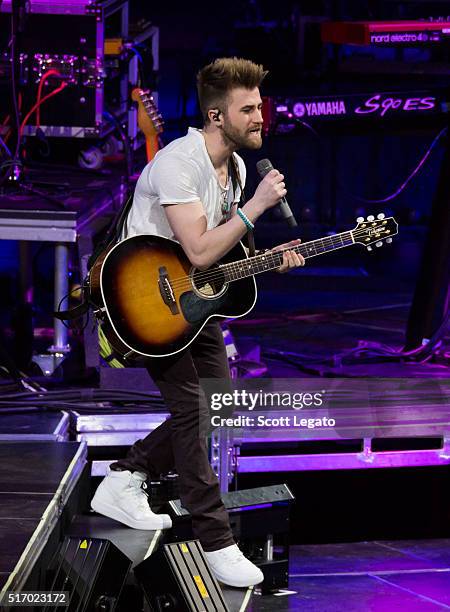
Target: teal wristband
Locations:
point(245, 219)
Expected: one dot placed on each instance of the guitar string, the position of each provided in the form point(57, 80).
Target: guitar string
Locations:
point(238, 265)
point(227, 276)
point(357, 233)
point(268, 258)
point(217, 273)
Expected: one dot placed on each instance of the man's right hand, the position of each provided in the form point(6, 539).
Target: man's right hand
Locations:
point(270, 190)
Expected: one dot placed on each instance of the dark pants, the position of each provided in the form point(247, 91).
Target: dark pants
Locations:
point(178, 443)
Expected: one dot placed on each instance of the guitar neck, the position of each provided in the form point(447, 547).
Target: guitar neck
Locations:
point(151, 146)
point(149, 120)
point(272, 260)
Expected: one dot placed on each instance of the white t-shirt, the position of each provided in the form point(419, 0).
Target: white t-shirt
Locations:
point(180, 173)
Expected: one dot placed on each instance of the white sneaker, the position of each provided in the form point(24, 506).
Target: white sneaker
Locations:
point(231, 567)
point(120, 496)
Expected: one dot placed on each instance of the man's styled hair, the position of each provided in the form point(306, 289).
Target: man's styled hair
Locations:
point(216, 80)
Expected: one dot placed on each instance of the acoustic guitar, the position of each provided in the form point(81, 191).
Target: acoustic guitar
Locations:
point(151, 302)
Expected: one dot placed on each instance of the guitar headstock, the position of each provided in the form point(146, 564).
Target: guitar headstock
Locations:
point(374, 230)
point(150, 120)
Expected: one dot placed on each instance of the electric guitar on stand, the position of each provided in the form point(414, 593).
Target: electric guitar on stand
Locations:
point(150, 120)
point(151, 302)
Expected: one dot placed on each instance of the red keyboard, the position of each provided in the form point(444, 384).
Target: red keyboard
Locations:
point(384, 32)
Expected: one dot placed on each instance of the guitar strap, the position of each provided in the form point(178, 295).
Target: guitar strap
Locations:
point(233, 171)
point(114, 230)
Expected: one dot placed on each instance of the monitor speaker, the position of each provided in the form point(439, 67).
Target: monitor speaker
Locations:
point(177, 578)
point(92, 571)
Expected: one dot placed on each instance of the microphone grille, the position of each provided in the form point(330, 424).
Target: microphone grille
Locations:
point(264, 166)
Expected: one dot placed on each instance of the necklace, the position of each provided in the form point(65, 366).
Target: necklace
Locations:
point(226, 180)
point(224, 198)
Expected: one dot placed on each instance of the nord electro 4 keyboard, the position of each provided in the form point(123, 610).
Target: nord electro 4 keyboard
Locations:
point(385, 32)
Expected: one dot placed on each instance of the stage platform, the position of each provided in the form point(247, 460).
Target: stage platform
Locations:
point(356, 577)
point(37, 426)
point(40, 490)
point(409, 432)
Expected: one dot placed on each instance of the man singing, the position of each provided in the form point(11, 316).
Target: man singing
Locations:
point(186, 193)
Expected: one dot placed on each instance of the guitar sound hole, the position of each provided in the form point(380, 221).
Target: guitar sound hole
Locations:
point(208, 284)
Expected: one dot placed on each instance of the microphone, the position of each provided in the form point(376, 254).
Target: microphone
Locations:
point(264, 166)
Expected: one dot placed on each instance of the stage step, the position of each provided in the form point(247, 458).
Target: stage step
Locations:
point(42, 486)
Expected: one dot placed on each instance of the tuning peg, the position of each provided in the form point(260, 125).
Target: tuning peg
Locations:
point(370, 218)
point(381, 216)
point(379, 243)
point(360, 220)
point(369, 248)
point(389, 240)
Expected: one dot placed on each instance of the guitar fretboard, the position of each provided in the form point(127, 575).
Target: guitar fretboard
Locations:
point(272, 260)
point(152, 111)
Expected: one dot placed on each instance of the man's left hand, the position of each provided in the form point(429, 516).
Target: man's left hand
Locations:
point(291, 259)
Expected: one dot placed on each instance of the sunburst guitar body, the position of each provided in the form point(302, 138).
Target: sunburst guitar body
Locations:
point(147, 312)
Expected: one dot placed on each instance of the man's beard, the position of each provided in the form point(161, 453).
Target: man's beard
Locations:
point(237, 140)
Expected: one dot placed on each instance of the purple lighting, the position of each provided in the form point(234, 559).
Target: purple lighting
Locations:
point(342, 461)
point(254, 507)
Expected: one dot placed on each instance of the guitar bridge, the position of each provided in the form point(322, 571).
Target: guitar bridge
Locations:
point(166, 291)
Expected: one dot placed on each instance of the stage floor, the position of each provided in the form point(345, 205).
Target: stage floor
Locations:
point(413, 576)
point(321, 314)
